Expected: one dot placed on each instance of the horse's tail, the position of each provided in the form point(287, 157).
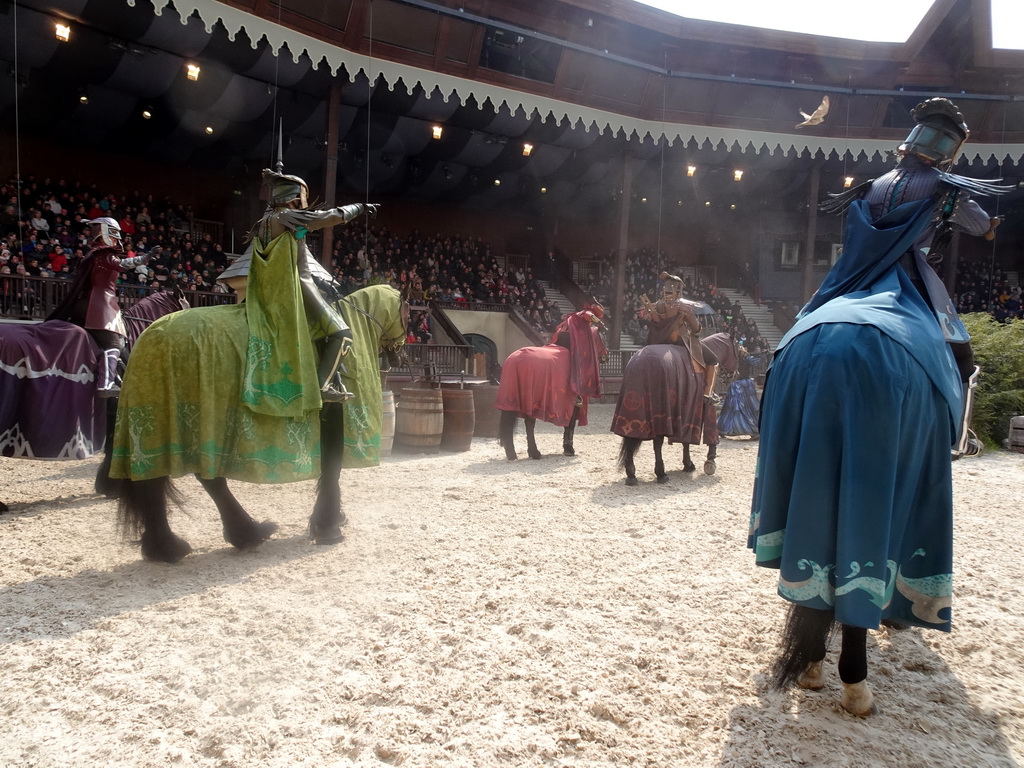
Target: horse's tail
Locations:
point(138, 498)
point(506, 427)
point(628, 450)
point(805, 639)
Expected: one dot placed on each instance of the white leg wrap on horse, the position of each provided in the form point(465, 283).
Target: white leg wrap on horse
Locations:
point(858, 699)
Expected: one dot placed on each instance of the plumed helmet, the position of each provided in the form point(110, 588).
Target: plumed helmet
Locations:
point(594, 307)
point(939, 133)
point(284, 188)
point(106, 230)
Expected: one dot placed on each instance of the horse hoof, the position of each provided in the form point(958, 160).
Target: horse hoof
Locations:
point(535, 455)
point(688, 467)
point(4, 509)
point(709, 467)
point(632, 481)
point(328, 534)
point(252, 538)
point(812, 678)
point(662, 479)
point(171, 550)
point(568, 450)
point(858, 699)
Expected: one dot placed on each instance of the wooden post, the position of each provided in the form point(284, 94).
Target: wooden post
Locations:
point(618, 297)
point(808, 287)
point(330, 170)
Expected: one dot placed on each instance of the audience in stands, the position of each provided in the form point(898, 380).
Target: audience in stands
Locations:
point(43, 234)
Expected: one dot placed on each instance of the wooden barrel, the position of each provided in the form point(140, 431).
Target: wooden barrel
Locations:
point(487, 417)
point(387, 424)
point(1016, 440)
point(459, 419)
point(419, 419)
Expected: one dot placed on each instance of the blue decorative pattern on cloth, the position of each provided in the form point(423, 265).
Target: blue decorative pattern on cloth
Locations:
point(853, 491)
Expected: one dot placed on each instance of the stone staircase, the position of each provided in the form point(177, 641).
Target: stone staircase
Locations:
point(760, 315)
point(565, 306)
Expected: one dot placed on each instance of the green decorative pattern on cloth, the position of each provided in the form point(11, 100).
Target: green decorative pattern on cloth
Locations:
point(181, 413)
point(181, 410)
point(280, 373)
point(365, 412)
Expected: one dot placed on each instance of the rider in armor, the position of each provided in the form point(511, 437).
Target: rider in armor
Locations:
point(673, 321)
point(91, 301)
point(288, 210)
point(929, 149)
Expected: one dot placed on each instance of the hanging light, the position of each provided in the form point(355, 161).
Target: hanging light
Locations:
point(848, 182)
point(527, 149)
point(209, 129)
point(737, 175)
point(497, 182)
point(147, 113)
point(543, 190)
point(436, 131)
point(62, 31)
point(691, 169)
point(192, 72)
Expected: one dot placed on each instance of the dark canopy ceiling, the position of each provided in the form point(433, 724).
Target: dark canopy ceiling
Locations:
point(629, 64)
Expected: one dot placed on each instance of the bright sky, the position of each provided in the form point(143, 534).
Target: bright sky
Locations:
point(883, 21)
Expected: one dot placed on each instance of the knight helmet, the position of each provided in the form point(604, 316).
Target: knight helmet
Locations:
point(106, 230)
point(284, 189)
point(939, 133)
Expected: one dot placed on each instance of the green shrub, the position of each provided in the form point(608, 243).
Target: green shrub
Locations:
point(999, 350)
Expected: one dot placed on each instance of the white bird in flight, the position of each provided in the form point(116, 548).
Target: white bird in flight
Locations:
point(817, 117)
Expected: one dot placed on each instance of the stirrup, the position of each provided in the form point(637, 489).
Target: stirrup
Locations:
point(331, 394)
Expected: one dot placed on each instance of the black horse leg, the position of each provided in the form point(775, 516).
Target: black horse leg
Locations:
point(626, 455)
point(853, 671)
point(104, 485)
point(659, 463)
point(142, 514)
point(688, 465)
point(531, 440)
point(709, 462)
point(240, 530)
point(568, 448)
point(327, 519)
point(506, 430)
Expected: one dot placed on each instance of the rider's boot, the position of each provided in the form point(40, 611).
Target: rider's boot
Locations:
point(968, 443)
point(332, 389)
point(108, 378)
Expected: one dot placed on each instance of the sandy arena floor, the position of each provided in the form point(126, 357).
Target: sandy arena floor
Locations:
point(480, 613)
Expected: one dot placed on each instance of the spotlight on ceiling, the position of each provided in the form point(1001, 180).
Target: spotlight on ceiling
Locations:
point(691, 169)
point(147, 113)
point(83, 97)
point(62, 31)
point(643, 199)
point(192, 72)
point(497, 182)
point(527, 149)
point(737, 175)
point(436, 131)
point(543, 190)
point(209, 129)
point(446, 172)
point(707, 203)
point(848, 182)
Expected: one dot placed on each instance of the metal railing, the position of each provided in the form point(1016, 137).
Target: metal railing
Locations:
point(432, 360)
point(25, 297)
